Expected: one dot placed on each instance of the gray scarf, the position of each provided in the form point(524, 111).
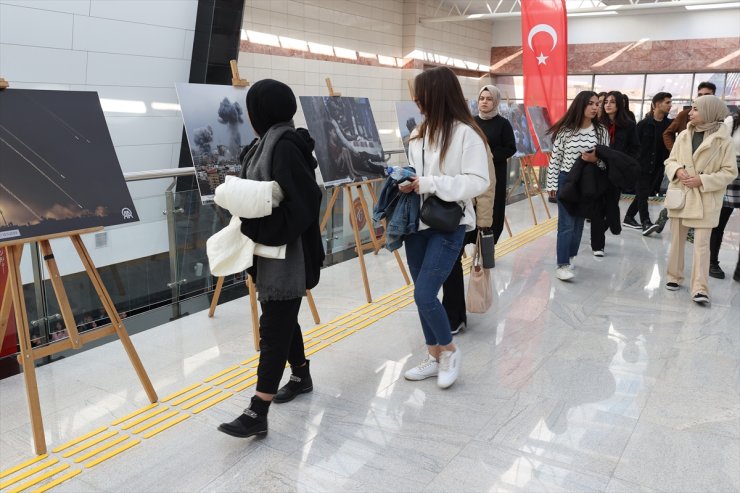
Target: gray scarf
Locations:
point(276, 279)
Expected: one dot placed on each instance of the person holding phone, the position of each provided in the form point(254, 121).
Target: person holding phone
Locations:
point(576, 135)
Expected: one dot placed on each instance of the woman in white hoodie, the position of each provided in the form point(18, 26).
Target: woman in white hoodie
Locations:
point(448, 150)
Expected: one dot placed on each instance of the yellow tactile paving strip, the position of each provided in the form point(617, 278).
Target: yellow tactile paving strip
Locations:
point(75, 456)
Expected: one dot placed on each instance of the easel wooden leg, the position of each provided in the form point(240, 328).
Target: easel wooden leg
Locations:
point(5, 305)
point(404, 273)
point(368, 219)
point(508, 228)
point(115, 319)
point(329, 208)
point(24, 338)
point(528, 191)
point(61, 294)
point(216, 295)
point(535, 177)
point(312, 306)
point(358, 247)
point(254, 312)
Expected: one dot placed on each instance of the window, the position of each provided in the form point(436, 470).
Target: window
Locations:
point(631, 84)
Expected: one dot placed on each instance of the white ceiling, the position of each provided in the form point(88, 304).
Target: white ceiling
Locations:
point(458, 10)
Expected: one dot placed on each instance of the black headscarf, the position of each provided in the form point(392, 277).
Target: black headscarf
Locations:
point(269, 102)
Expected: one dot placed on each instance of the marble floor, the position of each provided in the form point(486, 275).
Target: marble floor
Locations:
point(608, 383)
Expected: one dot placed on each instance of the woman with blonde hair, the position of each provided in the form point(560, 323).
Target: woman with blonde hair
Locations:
point(448, 152)
point(701, 165)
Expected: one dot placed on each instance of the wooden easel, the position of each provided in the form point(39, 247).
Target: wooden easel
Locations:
point(530, 179)
point(375, 242)
point(13, 296)
point(237, 81)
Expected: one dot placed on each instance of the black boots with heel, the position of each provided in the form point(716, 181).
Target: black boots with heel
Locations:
point(300, 383)
point(252, 422)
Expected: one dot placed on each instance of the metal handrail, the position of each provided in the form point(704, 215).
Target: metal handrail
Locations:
point(158, 173)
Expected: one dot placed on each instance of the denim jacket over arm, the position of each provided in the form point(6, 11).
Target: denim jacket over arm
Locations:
point(401, 210)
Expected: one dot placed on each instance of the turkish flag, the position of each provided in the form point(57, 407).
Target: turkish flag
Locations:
point(545, 59)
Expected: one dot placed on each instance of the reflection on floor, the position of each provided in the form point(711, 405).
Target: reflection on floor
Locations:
point(606, 383)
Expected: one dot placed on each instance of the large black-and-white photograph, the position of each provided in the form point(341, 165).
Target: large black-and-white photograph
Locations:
point(541, 122)
point(58, 168)
point(409, 117)
point(218, 128)
point(518, 119)
point(347, 141)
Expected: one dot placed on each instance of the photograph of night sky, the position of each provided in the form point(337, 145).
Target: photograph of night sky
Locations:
point(58, 168)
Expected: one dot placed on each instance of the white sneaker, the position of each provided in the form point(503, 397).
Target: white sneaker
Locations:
point(572, 263)
point(564, 273)
point(427, 368)
point(598, 253)
point(449, 368)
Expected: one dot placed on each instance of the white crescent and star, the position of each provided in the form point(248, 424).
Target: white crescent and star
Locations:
point(547, 29)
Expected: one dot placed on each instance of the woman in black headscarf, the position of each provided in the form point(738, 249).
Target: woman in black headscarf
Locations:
point(282, 154)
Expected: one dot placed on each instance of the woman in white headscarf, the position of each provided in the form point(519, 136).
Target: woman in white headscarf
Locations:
point(701, 165)
point(489, 207)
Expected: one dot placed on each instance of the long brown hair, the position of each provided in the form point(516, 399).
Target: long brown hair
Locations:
point(571, 120)
point(440, 98)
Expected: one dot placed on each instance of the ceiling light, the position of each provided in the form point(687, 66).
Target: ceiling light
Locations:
point(710, 6)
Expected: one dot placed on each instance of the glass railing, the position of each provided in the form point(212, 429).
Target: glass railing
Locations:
point(159, 263)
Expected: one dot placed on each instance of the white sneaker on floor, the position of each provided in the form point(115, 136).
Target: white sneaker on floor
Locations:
point(598, 253)
point(460, 327)
point(449, 368)
point(572, 264)
point(564, 273)
point(427, 368)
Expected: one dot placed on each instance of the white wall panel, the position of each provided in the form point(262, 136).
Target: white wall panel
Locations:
point(130, 70)
point(178, 13)
point(144, 157)
point(133, 130)
point(48, 65)
point(103, 35)
point(34, 27)
point(81, 7)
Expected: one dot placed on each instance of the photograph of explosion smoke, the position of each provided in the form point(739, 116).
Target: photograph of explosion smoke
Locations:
point(58, 168)
point(347, 141)
point(218, 128)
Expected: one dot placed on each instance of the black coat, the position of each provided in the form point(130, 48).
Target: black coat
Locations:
point(652, 150)
point(585, 190)
point(297, 215)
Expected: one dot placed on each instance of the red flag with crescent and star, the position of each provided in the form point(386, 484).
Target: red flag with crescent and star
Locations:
point(545, 59)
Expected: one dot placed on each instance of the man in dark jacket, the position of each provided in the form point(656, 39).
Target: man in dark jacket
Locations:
point(283, 155)
point(653, 153)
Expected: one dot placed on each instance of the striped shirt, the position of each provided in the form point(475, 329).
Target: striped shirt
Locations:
point(567, 148)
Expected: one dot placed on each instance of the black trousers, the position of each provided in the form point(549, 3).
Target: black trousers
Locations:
point(453, 289)
point(643, 189)
point(601, 211)
point(715, 240)
point(499, 211)
point(280, 341)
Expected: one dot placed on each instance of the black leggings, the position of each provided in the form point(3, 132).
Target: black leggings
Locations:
point(280, 341)
point(715, 240)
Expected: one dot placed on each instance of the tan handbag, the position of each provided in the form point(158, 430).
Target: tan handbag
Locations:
point(480, 290)
point(675, 199)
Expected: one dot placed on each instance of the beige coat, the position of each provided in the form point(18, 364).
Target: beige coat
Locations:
point(714, 162)
point(484, 201)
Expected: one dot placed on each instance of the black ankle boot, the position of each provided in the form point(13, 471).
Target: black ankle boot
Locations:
point(300, 383)
point(253, 421)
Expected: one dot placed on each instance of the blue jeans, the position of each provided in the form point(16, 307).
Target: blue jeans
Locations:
point(431, 255)
point(570, 229)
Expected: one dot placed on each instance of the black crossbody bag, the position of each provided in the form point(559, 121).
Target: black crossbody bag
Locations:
point(437, 213)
